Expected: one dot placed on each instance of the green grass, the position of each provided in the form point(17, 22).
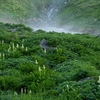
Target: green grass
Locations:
point(69, 72)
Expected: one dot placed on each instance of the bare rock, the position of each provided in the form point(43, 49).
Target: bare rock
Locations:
point(44, 44)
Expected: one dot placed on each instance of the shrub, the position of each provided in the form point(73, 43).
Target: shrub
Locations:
point(81, 74)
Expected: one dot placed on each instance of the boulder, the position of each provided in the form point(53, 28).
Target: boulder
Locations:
point(44, 44)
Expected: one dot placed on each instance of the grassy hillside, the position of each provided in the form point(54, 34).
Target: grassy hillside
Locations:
point(22, 10)
point(70, 71)
point(81, 14)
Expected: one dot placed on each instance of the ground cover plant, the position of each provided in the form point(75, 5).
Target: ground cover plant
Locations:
point(69, 71)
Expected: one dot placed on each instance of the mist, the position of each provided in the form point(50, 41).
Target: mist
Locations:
point(47, 20)
point(54, 29)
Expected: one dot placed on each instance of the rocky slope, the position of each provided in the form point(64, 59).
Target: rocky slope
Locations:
point(80, 15)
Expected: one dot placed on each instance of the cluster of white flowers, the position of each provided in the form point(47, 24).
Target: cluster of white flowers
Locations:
point(23, 47)
point(43, 69)
point(23, 91)
point(14, 48)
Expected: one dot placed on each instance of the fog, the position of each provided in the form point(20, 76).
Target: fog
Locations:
point(47, 22)
point(50, 28)
point(54, 29)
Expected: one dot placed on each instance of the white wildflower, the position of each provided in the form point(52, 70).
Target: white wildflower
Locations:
point(9, 46)
point(22, 91)
point(2, 41)
point(22, 46)
point(67, 86)
point(26, 49)
point(8, 49)
point(13, 46)
point(45, 50)
point(0, 55)
point(44, 67)
point(3, 56)
point(10, 42)
point(15, 93)
point(17, 45)
point(23, 40)
point(30, 92)
point(99, 80)
point(40, 69)
point(36, 62)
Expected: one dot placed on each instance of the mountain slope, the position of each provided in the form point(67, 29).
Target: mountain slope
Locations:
point(21, 10)
point(81, 14)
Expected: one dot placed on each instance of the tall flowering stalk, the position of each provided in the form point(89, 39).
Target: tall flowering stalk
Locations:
point(22, 90)
point(36, 62)
point(45, 50)
point(40, 70)
point(13, 45)
point(99, 81)
point(0, 55)
point(17, 45)
point(67, 86)
point(30, 92)
point(44, 68)
point(2, 41)
point(23, 40)
point(8, 49)
point(15, 93)
point(9, 46)
point(3, 56)
point(22, 46)
point(26, 49)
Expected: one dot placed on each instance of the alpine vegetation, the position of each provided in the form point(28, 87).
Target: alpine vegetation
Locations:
point(68, 70)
